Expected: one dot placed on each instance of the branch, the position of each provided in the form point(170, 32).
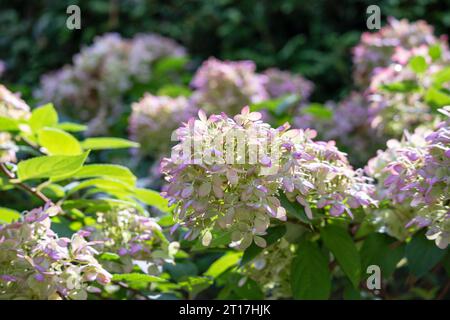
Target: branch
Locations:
point(27, 188)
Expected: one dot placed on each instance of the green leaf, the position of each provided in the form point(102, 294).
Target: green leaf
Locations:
point(107, 143)
point(106, 171)
point(249, 290)
point(8, 215)
point(273, 234)
point(318, 110)
point(270, 104)
point(418, 64)
point(181, 270)
point(422, 254)
point(50, 166)
point(58, 142)
point(381, 250)
point(44, 116)
point(137, 281)
point(437, 98)
point(53, 190)
point(8, 124)
point(351, 293)
point(71, 127)
point(310, 276)
point(435, 52)
point(222, 264)
point(401, 86)
point(343, 248)
point(95, 205)
point(294, 209)
point(152, 198)
point(441, 77)
point(104, 184)
point(286, 103)
point(109, 256)
point(174, 91)
point(169, 64)
point(195, 285)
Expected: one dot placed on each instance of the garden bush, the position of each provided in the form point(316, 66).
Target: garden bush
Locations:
point(145, 169)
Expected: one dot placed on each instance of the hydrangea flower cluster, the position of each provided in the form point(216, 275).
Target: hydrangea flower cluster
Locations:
point(240, 195)
point(376, 49)
point(36, 264)
point(92, 88)
point(419, 177)
point(392, 111)
point(136, 239)
point(11, 106)
point(271, 269)
point(153, 120)
point(226, 86)
point(279, 83)
point(390, 218)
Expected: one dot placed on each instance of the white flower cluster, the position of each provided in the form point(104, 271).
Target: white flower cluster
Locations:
point(36, 264)
point(93, 88)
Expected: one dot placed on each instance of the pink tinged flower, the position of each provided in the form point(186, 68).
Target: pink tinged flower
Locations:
point(419, 221)
point(104, 277)
point(281, 214)
point(262, 188)
point(337, 209)
point(288, 184)
point(63, 242)
point(306, 206)
point(217, 189)
point(39, 277)
point(90, 276)
point(122, 251)
point(174, 228)
point(135, 248)
point(297, 155)
point(8, 278)
point(266, 161)
point(447, 153)
point(187, 192)
point(205, 189)
point(270, 210)
point(232, 177)
point(412, 156)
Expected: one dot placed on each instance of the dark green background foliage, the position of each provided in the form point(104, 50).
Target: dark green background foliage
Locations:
point(313, 37)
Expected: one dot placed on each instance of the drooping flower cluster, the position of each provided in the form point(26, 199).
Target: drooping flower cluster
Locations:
point(238, 167)
point(271, 269)
point(11, 106)
point(36, 264)
point(226, 86)
point(279, 83)
point(375, 50)
point(93, 88)
point(136, 239)
point(153, 120)
point(418, 177)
